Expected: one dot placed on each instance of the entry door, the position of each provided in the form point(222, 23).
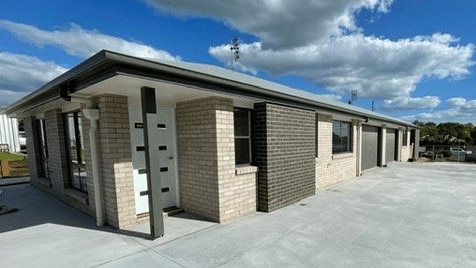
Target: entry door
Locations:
point(167, 156)
point(165, 133)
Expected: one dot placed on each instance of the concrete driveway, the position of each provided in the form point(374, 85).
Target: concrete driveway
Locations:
point(405, 215)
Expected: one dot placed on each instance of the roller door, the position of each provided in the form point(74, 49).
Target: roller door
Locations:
point(370, 147)
point(390, 145)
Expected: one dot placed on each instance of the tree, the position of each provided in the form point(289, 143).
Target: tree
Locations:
point(448, 133)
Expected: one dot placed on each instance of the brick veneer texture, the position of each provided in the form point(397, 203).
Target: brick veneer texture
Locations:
point(116, 161)
point(57, 151)
point(284, 150)
point(208, 185)
point(333, 169)
point(406, 147)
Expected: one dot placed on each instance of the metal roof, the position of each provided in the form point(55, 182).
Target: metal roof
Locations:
point(94, 68)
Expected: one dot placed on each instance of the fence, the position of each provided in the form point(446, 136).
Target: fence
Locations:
point(17, 168)
point(448, 153)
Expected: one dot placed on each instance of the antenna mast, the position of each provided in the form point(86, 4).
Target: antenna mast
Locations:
point(235, 50)
point(353, 96)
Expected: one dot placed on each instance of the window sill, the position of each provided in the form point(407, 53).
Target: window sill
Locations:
point(245, 169)
point(77, 195)
point(342, 156)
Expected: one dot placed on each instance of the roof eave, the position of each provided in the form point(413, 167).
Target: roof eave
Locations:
point(104, 60)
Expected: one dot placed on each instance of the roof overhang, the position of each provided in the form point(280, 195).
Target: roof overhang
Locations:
point(106, 65)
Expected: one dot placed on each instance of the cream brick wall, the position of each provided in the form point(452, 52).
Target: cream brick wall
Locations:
point(208, 182)
point(406, 153)
point(115, 159)
point(333, 169)
point(56, 139)
point(407, 149)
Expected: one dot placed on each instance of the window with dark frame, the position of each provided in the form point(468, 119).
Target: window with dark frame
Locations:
point(45, 172)
point(242, 126)
point(341, 137)
point(78, 176)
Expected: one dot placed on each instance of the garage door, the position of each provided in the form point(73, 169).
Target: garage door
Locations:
point(390, 145)
point(370, 147)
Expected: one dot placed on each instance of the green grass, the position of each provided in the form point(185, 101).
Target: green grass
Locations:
point(12, 157)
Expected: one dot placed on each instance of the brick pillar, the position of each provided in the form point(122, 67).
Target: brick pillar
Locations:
point(416, 147)
point(383, 148)
point(357, 125)
point(210, 184)
point(116, 161)
point(57, 149)
point(198, 155)
point(284, 144)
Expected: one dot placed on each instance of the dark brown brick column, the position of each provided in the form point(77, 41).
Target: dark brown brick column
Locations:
point(284, 151)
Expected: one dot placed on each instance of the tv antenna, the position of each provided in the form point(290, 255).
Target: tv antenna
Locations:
point(353, 96)
point(235, 50)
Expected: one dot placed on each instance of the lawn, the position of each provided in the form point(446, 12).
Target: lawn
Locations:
point(12, 157)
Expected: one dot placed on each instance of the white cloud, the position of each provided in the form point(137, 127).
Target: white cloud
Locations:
point(320, 41)
point(83, 43)
point(459, 110)
point(278, 23)
point(456, 102)
point(376, 68)
point(20, 74)
point(462, 103)
point(427, 102)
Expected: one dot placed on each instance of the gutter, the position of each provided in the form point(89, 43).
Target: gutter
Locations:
point(78, 77)
point(143, 67)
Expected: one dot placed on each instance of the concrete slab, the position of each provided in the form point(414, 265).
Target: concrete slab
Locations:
point(405, 215)
point(11, 181)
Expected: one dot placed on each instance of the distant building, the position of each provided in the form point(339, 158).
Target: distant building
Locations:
point(9, 132)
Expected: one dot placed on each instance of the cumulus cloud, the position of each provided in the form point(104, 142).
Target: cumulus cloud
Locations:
point(20, 74)
point(427, 102)
point(376, 68)
point(320, 41)
point(278, 23)
point(459, 110)
point(462, 104)
point(83, 43)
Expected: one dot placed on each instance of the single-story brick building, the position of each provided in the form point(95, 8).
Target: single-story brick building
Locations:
point(211, 141)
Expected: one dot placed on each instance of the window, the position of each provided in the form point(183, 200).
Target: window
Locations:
point(78, 178)
point(341, 137)
point(45, 172)
point(242, 121)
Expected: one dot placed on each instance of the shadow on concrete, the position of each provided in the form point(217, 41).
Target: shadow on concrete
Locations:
point(37, 208)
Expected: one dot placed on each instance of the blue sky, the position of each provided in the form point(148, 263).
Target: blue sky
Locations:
point(413, 59)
